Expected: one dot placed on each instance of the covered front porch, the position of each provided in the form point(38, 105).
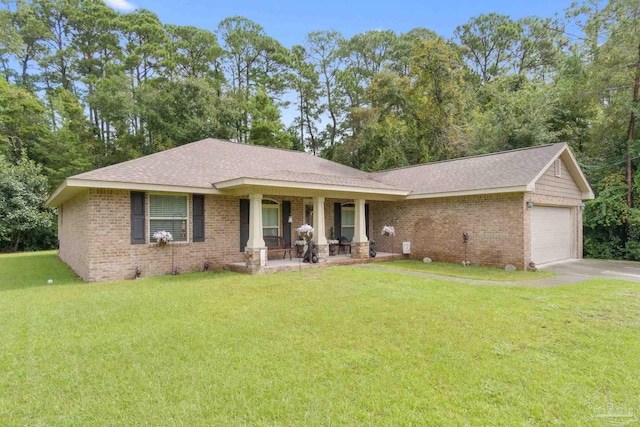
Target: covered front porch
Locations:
point(270, 208)
point(296, 264)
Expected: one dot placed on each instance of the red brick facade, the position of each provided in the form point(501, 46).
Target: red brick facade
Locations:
point(95, 230)
point(434, 227)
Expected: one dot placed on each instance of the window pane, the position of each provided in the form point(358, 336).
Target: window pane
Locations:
point(164, 206)
point(269, 217)
point(347, 232)
point(348, 217)
point(177, 228)
point(270, 231)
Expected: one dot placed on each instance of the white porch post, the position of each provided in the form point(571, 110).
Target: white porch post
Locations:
point(360, 232)
point(319, 229)
point(256, 240)
point(360, 243)
point(255, 252)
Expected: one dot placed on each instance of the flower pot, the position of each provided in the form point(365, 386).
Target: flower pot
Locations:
point(333, 249)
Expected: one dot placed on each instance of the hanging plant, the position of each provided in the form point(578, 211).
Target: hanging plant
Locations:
point(305, 230)
point(162, 237)
point(388, 230)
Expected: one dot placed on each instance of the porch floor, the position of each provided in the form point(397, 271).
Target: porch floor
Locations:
point(295, 264)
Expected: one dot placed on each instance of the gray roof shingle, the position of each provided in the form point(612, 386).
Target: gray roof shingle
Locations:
point(209, 161)
point(489, 171)
point(205, 162)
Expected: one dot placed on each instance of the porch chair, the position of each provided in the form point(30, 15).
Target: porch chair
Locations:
point(344, 245)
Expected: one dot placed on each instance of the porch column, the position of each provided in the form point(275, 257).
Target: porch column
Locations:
point(255, 244)
point(319, 229)
point(360, 243)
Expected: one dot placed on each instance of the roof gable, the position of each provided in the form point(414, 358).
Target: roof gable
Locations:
point(507, 171)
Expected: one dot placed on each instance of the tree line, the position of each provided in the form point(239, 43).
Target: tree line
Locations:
point(85, 87)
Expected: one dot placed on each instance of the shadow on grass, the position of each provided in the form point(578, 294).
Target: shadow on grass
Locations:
point(33, 269)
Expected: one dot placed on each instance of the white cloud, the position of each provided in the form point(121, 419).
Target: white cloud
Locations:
point(121, 5)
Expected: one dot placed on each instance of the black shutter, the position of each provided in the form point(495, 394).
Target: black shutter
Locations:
point(244, 223)
point(286, 226)
point(137, 218)
point(366, 220)
point(198, 218)
point(337, 220)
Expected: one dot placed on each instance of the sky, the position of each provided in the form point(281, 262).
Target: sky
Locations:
point(289, 21)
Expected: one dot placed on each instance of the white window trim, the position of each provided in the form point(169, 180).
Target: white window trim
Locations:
point(351, 207)
point(272, 206)
point(148, 216)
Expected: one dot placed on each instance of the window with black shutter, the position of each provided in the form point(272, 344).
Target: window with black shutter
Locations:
point(244, 223)
point(137, 218)
point(198, 218)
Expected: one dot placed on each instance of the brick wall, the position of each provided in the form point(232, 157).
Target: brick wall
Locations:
point(435, 226)
point(73, 234)
point(100, 249)
point(95, 232)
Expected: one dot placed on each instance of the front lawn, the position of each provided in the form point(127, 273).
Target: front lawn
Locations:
point(476, 272)
point(333, 346)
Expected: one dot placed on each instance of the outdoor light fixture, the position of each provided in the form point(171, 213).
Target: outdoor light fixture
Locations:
point(582, 206)
point(290, 219)
point(529, 203)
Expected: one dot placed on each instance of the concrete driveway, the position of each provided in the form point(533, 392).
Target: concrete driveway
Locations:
point(596, 268)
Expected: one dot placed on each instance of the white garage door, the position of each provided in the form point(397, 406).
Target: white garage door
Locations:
point(551, 234)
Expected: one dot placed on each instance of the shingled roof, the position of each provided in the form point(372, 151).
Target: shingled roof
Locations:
point(503, 170)
point(214, 166)
point(203, 163)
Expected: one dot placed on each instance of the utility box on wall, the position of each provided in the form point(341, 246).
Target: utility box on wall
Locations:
point(406, 248)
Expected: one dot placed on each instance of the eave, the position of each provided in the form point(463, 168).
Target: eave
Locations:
point(474, 192)
point(246, 185)
point(71, 187)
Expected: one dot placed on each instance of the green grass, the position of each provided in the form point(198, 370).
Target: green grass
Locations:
point(333, 346)
point(476, 272)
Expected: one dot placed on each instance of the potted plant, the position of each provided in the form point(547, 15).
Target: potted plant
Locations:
point(162, 237)
point(299, 244)
point(333, 246)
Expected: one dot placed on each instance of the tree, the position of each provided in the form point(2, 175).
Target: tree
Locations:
point(323, 50)
point(22, 122)
point(23, 192)
point(305, 81)
point(488, 42)
point(193, 53)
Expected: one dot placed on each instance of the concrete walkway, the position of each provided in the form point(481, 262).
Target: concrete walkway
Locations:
point(546, 282)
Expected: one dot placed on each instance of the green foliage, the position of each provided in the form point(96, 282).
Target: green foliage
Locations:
point(86, 87)
point(515, 113)
point(22, 122)
point(23, 192)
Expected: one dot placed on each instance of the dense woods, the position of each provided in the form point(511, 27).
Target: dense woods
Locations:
point(85, 87)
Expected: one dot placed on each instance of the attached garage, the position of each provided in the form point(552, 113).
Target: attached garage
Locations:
point(551, 234)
